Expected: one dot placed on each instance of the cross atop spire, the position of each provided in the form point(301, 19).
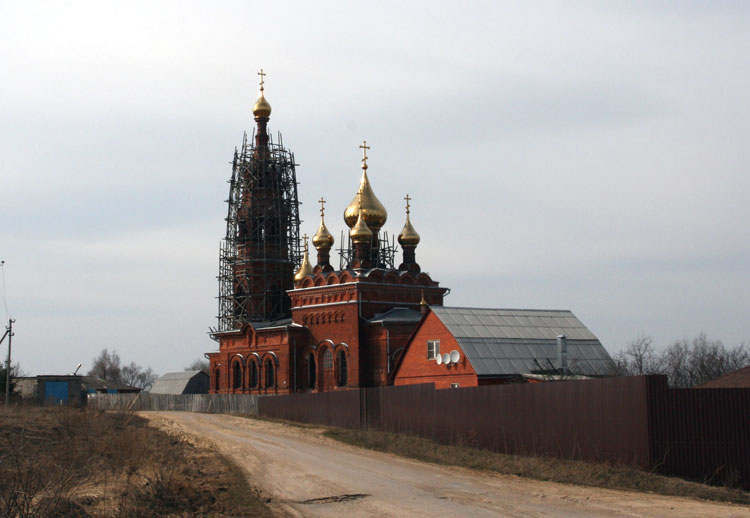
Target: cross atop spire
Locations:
point(322, 206)
point(407, 198)
point(305, 239)
point(262, 75)
point(364, 147)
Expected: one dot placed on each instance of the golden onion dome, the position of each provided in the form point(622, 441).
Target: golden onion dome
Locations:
point(408, 236)
point(305, 268)
point(261, 108)
point(360, 232)
point(374, 213)
point(322, 238)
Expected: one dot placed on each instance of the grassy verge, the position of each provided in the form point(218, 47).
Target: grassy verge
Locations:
point(61, 462)
point(541, 468)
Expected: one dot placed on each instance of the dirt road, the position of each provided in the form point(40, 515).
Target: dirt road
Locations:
point(306, 474)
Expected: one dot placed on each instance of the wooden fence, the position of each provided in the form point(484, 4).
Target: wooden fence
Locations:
point(207, 403)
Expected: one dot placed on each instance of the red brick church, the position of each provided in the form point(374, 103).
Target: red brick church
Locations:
point(287, 326)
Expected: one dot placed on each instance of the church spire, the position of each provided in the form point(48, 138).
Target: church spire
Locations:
point(305, 268)
point(373, 211)
point(261, 111)
point(408, 239)
point(323, 240)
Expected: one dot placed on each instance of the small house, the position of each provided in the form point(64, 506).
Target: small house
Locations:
point(467, 347)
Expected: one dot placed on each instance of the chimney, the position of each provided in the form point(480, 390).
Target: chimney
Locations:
point(562, 353)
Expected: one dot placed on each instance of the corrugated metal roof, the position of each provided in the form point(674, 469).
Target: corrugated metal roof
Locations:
point(176, 382)
point(397, 315)
point(520, 341)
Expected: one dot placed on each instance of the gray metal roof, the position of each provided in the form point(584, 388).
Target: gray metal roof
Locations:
point(397, 315)
point(519, 341)
point(185, 382)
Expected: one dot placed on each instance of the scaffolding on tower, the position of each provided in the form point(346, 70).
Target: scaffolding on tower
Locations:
point(261, 249)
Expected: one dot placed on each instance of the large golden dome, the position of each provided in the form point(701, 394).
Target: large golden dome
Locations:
point(373, 211)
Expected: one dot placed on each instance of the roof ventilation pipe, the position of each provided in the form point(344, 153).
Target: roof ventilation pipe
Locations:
point(562, 353)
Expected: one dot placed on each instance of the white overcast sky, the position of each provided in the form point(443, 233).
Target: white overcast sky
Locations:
point(590, 156)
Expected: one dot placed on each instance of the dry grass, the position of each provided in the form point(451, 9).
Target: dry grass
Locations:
point(540, 468)
point(61, 462)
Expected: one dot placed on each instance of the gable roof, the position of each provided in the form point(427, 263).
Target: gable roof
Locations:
point(179, 382)
point(500, 342)
point(397, 315)
point(737, 379)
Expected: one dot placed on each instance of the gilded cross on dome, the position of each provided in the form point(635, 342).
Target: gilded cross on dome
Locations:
point(305, 239)
point(407, 198)
point(262, 75)
point(322, 203)
point(364, 147)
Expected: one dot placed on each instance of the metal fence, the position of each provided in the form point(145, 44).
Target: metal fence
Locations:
point(207, 403)
point(700, 434)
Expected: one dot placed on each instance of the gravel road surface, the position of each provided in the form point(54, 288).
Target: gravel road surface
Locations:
point(306, 474)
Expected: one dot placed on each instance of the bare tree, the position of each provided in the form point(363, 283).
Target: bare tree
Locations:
point(107, 366)
point(199, 365)
point(135, 376)
point(686, 362)
point(638, 358)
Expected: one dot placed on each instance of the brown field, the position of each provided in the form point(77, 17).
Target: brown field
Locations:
point(61, 462)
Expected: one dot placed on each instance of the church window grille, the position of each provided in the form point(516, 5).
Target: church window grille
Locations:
point(253, 374)
point(236, 375)
point(217, 376)
point(433, 349)
point(270, 374)
point(342, 368)
point(311, 371)
point(328, 359)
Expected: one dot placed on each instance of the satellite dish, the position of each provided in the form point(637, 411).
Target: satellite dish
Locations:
point(438, 359)
point(447, 359)
point(455, 356)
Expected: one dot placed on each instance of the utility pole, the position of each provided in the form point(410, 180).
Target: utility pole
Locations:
point(9, 334)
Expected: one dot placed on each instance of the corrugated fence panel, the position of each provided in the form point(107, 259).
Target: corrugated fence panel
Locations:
point(592, 419)
point(703, 434)
point(340, 408)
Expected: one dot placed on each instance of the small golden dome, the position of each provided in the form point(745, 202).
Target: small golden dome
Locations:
point(261, 107)
point(374, 213)
point(360, 232)
point(408, 236)
point(305, 268)
point(322, 238)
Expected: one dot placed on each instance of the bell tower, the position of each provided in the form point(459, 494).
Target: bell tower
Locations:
point(261, 248)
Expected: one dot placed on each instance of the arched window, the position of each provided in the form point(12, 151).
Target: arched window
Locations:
point(328, 359)
point(311, 371)
point(270, 372)
point(253, 374)
point(341, 369)
point(217, 375)
point(236, 375)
